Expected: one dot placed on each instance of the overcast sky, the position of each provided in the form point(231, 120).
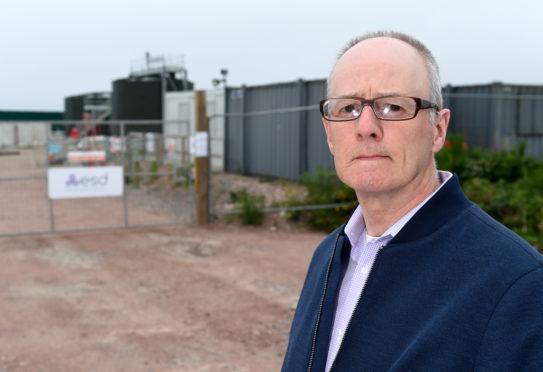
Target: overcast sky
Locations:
point(51, 49)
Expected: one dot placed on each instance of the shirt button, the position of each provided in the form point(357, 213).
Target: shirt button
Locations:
point(365, 270)
point(340, 332)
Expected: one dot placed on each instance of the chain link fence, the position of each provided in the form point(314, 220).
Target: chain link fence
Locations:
point(157, 186)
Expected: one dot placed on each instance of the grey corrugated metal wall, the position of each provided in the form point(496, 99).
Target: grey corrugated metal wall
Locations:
point(270, 131)
point(317, 151)
point(275, 130)
point(498, 116)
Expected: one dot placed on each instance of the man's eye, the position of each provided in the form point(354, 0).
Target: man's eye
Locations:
point(391, 108)
point(348, 108)
point(394, 108)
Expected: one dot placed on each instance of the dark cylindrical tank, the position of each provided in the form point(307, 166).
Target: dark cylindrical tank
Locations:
point(73, 107)
point(137, 99)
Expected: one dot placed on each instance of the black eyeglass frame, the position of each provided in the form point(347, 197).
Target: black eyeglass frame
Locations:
point(422, 104)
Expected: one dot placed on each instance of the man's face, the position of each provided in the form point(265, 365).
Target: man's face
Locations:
point(384, 157)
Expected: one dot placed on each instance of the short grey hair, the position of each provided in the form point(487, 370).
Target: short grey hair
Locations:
point(430, 62)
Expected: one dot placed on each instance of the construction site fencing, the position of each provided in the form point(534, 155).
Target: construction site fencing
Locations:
point(150, 159)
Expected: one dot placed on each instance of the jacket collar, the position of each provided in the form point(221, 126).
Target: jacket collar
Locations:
point(447, 203)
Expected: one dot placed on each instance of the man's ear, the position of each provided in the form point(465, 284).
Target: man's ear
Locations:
point(440, 129)
point(328, 135)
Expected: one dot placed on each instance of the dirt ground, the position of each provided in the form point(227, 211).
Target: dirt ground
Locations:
point(216, 298)
point(177, 298)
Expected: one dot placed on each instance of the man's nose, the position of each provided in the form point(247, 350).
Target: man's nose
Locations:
point(368, 125)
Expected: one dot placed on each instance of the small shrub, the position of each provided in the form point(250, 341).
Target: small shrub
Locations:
point(250, 207)
point(324, 188)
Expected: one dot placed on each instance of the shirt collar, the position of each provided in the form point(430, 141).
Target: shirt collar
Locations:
point(356, 226)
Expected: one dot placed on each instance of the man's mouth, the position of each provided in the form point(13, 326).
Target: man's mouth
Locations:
point(371, 157)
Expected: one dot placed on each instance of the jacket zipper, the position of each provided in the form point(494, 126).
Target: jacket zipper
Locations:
point(326, 278)
point(355, 307)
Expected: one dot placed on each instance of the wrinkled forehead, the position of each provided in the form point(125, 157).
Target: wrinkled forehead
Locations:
point(377, 66)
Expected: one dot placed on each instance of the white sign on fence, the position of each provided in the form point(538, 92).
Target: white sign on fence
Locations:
point(198, 144)
point(85, 182)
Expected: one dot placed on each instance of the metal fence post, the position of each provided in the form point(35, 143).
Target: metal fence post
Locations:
point(243, 146)
point(47, 166)
point(201, 163)
point(496, 116)
point(303, 133)
point(124, 149)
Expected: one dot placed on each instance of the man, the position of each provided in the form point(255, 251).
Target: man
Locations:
point(420, 278)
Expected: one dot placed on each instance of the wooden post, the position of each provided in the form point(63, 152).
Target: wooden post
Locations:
point(201, 163)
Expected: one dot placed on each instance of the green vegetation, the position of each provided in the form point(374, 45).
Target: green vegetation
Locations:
point(323, 188)
point(250, 207)
point(507, 184)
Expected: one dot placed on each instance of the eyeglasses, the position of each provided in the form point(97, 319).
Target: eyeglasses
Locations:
point(394, 108)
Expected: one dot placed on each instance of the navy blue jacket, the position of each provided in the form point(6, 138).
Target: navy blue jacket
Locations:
point(454, 290)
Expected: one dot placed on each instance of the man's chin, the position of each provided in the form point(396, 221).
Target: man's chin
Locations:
point(366, 184)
